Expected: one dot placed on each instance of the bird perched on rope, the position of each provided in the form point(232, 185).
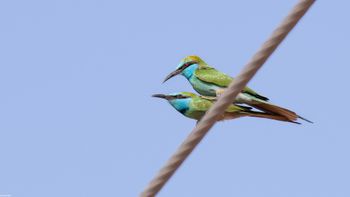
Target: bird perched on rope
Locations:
point(208, 81)
point(194, 106)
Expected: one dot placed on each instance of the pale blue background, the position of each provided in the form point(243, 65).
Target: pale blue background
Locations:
point(77, 119)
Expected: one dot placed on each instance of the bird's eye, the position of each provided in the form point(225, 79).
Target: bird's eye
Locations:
point(187, 64)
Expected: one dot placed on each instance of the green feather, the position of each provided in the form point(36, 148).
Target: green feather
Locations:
point(213, 76)
point(203, 104)
point(198, 104)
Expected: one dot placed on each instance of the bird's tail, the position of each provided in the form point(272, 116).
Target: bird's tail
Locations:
point(257, 115)
point(274, 109)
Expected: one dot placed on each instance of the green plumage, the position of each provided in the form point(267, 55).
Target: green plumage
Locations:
point(198, 106)
point(208, 81)
point(213, 76)
point(203, 104)
point(194, 107)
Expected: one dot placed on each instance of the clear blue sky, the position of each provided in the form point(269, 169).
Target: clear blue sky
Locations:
point(77, 118)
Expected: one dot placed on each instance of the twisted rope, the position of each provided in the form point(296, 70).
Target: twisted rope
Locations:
point(226, 98)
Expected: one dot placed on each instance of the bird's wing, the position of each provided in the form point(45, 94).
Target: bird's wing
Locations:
point(199, 104)
point(214, 99)
point(254, 94)
point(213, 76)
point(203, 104)
point(236, 108)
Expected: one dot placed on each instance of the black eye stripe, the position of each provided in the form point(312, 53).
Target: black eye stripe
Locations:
point(181, 96)
point(183, 66)
point(187, 64)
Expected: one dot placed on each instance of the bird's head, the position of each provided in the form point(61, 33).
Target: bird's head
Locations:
point(180, 101)
point(187, 66)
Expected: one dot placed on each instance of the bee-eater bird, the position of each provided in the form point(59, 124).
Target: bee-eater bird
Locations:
point(194, 106)
point(208, 81)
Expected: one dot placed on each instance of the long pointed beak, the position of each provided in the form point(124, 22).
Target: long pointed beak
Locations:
point(163, 96)
point(172, 74)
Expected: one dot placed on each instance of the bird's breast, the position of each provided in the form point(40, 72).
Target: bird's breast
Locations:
point(197, 115)
point(202, 87)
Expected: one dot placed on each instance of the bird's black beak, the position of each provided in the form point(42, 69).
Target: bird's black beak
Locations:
point(172, 74)
point(163, 96)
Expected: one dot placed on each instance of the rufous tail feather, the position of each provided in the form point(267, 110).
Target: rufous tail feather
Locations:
point(270, 108)
point(228, 116)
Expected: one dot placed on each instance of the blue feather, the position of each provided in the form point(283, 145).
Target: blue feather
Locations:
point(181, 105)
point(189, 71)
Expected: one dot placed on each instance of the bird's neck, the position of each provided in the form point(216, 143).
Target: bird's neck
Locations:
point(188, 72)
point(181, 105)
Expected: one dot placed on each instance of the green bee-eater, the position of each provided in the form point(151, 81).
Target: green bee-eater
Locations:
point(194, 106)
point(208, 81)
